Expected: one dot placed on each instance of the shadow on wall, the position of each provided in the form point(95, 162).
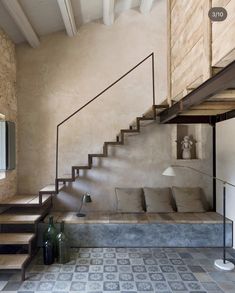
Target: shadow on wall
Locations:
point(137, 163)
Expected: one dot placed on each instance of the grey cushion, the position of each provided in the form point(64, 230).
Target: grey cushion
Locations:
point(158, 200)
point(129, 200)
point(190, 199)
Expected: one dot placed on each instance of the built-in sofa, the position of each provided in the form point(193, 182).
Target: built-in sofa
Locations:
point(148, 217)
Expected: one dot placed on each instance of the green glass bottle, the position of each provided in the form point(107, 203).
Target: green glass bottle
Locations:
point(50, 235)
point(62, 246)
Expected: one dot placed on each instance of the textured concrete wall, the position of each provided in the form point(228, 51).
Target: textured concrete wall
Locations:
point(64, 73)
point(140, 162)
point(8, 103)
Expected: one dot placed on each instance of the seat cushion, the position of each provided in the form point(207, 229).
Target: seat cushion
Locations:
point(129, 200)
point(159, 200)
point(190, 199)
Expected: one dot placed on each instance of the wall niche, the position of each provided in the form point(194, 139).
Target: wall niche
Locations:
point(194, 133)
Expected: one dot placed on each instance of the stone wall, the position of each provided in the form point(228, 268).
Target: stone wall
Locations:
point(8, 103)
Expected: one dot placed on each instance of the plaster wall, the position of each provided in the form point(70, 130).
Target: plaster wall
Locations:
point(140, 162)
point(64, 73)
point(225, 149)
point(8, 104)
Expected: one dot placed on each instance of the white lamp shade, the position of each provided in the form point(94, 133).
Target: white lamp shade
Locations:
point(169, 172)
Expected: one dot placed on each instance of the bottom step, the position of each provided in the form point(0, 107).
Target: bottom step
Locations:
point(13, 261)
point(15, 238)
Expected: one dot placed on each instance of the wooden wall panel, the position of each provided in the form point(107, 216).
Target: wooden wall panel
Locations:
point(186, 41)
point(223, 35)
point(219, 3)
point(189, 70)
point(190, 35)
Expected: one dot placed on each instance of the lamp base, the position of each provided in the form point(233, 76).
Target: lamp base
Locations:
point(80, 215)
point(227, 266)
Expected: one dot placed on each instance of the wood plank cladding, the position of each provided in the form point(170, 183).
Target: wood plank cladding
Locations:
point(198, 46)
point(190, 39)
point(223, 35)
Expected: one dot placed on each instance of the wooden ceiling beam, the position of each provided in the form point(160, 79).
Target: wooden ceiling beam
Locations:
point(108, 12)
point(68, 17)
point(145, 6)
point(16, 12)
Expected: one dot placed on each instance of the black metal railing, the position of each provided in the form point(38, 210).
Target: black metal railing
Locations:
point(90, 101)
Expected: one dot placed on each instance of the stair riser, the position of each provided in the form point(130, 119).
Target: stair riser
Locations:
point(15, 228)
point(16, 249)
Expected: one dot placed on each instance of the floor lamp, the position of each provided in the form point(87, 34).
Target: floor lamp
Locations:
point(222, 264)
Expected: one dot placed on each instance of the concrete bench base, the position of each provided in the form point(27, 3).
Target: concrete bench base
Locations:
point(145, 235)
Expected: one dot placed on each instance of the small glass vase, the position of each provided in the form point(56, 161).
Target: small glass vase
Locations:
point(62, 244)
point(50, 235)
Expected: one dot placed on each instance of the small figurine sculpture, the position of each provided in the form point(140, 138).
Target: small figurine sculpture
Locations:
point(186, 147)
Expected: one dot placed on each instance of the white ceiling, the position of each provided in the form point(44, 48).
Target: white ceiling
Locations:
point(45, 16)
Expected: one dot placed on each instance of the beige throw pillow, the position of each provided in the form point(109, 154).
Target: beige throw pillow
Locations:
point(158, 200)
point(190, 199)
point(129, 200)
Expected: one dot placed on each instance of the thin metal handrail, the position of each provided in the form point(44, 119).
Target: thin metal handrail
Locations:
point(90, 101)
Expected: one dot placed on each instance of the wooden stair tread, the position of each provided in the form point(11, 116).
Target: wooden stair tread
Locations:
point(51, 189)
point(146, 118)
point(130, 130)
point(24, 210)
point(18, 199)
point(149, 112)
point(81, 167)
point(45, 197)
point(68, 179)
point(98, 155)
point(112, 143)
point(24, 200)
point(6, 218)
point(15, 238)
point(12, 261)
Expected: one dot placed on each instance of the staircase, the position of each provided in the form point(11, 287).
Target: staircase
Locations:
point(19, 221)
point(28, 210)
point(150, 115)
point(18, 237)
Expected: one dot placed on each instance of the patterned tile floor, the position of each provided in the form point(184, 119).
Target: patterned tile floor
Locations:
point(126, 270)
